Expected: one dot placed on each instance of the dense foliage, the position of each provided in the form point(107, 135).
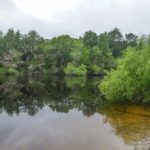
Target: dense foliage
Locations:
point(131, 80)
point(90, 54)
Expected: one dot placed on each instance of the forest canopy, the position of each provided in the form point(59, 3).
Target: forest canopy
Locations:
point(92, 53)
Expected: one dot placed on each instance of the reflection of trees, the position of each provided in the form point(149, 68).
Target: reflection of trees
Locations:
point(27, 94)
point(21, 95)
point(130, 122)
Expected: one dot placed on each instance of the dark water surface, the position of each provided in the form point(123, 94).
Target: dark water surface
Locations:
point(67, 113)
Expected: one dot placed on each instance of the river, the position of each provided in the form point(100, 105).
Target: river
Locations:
point(67, 113)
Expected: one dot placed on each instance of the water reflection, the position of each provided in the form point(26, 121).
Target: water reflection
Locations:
point(131, 123)
point(50, 108)
point(28, 94)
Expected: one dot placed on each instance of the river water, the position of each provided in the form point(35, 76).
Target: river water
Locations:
point(67, 113)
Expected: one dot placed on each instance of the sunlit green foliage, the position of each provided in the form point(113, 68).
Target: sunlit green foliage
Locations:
point(12, 71)
point(131, 80)
point(71, 69)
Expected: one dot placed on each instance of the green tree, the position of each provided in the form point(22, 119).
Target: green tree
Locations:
point(103, 42)
point(58, 52)
point(1, 43)
point(131, 39)
point(116, 42)
point(17, 41)
point(90, 39)
point(142, 42)
point(9, 40)
point(31, 41)
point(131, 80)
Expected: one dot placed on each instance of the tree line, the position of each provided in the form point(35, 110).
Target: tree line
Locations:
point(91, 53)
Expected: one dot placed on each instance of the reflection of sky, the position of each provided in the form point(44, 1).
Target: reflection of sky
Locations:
point(49, 130)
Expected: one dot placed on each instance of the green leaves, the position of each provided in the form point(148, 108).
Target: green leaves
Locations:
point(130, 81)
point(73, 70)
point(90, 39)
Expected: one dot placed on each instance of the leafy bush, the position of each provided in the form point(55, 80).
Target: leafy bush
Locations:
point(72, 70)
point(12, 71)
point(131, 80)
point(95, 69)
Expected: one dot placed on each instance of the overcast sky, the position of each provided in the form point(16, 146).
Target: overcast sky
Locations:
point(74, 17)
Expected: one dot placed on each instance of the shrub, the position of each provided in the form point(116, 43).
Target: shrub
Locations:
point(95, 69)
point(12, 71)
point(73, 70)
point(131, 80)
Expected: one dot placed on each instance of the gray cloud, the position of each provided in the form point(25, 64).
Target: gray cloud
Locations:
point(96, 15)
